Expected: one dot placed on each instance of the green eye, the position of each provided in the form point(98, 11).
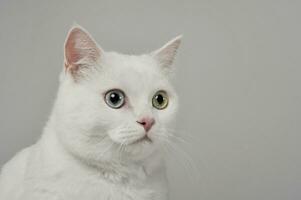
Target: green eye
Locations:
point(160, 100)
point(115, 98)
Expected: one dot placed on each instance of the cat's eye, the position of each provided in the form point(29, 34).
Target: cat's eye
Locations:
point(115, 98)
point(160, 100)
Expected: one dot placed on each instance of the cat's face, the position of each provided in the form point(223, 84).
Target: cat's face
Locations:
point(112, 105)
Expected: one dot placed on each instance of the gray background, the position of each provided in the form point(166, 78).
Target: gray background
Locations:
point(238, 79)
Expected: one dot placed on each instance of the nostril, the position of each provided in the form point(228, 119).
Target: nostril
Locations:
point(142, 123)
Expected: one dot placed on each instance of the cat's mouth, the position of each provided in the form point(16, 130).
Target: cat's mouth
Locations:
point(145, 138)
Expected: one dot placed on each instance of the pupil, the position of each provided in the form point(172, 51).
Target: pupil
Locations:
point(160, 99)
point(114, 98)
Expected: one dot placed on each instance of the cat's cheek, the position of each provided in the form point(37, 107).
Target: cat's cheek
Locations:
point(115, 137)
point(165, 118)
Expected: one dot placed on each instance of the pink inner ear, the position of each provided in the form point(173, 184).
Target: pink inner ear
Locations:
point(71, 52)
point(80, 45)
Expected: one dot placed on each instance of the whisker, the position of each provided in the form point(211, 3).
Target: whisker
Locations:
point(181, 134)
point(172, 145)
point(106, 150)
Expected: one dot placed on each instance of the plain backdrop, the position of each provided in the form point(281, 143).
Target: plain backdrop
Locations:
point(238, 78)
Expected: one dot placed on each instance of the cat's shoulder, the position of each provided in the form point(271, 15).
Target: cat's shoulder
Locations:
point(18, 162)
point(12, 173)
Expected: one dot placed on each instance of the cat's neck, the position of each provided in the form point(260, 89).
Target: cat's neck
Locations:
point(115, 171)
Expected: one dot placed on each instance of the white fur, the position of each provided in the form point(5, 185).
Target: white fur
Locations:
point(86, 150)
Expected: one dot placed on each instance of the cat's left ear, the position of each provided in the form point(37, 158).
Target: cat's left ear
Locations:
point(166, 54)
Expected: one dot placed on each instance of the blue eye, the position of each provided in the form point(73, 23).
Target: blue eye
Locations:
point(115, 98)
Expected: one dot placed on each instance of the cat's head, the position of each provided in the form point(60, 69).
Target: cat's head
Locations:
point(112, 105)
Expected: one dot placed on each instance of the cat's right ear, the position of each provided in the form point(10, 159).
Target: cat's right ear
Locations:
point(81, 51)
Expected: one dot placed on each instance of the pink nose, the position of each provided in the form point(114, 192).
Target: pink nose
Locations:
point(147, 123)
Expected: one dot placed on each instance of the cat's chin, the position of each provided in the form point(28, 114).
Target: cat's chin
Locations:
point(140, 149)
point(144, 139)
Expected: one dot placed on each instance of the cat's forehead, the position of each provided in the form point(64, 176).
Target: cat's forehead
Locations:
point(135, 63)
point(136, 73)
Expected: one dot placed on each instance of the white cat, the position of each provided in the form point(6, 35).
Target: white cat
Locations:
point(105, 135)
